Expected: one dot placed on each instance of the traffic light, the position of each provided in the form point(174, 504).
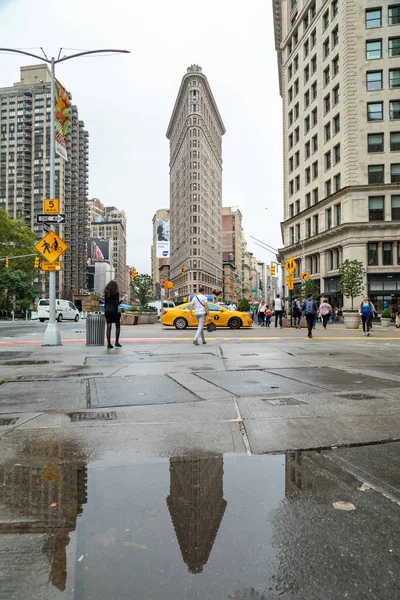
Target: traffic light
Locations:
point(6, 263)
point(36, 265)
point(272, 270)
point(135, 274)
point(183, 269)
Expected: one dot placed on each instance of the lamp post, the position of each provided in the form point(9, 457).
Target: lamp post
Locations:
point(52, 335)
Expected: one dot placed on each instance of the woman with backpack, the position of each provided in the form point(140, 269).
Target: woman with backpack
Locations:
point(366, 314)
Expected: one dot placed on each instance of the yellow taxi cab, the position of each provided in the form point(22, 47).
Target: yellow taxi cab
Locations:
point(222, 317)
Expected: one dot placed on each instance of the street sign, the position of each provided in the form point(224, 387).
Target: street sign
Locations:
point(49, 474)
point(51, 246)
point(48, 266)
point(237, 290)
point(169, 285)
point(290, 265)
point(45, 218)
point(290, 287)
point(290, 282)
point(162, 292)
point(51, 206)
point(304, 276)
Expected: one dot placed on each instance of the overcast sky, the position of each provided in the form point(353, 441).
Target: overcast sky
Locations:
point(126, 101)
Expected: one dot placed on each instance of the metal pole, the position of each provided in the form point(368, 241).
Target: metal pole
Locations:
point(52, 335)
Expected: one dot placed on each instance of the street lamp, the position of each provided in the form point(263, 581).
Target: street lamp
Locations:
point(52, 335)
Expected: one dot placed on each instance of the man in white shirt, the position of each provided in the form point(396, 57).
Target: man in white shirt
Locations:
point(232, 306)
point(200, 307)
point(278, 308)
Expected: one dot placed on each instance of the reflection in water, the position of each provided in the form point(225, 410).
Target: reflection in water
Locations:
point(196, 505)
point(297, 478)
point(42, 490)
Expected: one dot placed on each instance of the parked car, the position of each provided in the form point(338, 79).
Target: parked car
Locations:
point(64, 310)
point(166, 305)
point(179, 317)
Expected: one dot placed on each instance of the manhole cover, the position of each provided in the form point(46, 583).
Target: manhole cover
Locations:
point(5, 422)
point(283, 401)
point(86, 416)
point(358, 396)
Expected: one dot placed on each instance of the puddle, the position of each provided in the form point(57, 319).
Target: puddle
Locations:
point(198, 526)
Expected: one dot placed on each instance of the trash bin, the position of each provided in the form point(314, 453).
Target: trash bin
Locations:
point(95, 329)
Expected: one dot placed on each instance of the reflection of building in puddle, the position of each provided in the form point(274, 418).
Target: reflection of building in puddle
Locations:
point(42, 490)
point(297, 476)
point(196, 505)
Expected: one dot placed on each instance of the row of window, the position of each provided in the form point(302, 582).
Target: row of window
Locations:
point(374, 48)
point(373, 16)
point(376, 173)
point(374, 79)
point(328, 15)
point(333, 218)
point(375, 110)
point(376, 142)
point(386, 253)
point(376, 208)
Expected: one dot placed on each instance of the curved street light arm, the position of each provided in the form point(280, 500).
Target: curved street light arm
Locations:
point(91, 52)
point(26, 53)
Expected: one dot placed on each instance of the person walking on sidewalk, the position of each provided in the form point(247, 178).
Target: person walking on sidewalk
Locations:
point(278, 308)
point(261, 313)
point(366, 314)
point(200, 306)
point(111, 312)
point(310, 310)
point(325, 310)
point(268, 315)
point(296, 308)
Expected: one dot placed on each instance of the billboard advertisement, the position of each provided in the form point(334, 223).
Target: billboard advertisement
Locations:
point(162, 238)
point(99, 249)
point(61, 120)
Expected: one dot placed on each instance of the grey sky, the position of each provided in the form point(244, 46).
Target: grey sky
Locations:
point(126, 101)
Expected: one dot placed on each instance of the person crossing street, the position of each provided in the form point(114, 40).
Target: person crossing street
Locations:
point(310, 311)
point(366, 315)
point(200, 307)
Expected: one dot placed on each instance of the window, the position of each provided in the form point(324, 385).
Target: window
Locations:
point(308, 200)
point(315, 195)
point(394, 78)
point(315, 143)
point(296, 111)
point(291, 117)
point(328, 161)
point(394, 46)
point(306, 48)
point(307, 124)
point(387, 253)
point(327, 132)
point(308, 228)
point(296, 87)
point(325, 19)
point(298, 232)
point(308, 175)
point(290, 164)
point(297, 207)
point(306, 73)
point(374, 80)
point(313, 37)
point(376, 208)
point(336, 95)
point(291, 141)
point(394, 14)
point(375, 142)
point(297, 158)
point(327, 75)
point(396, 208)
point(307, 149)
point(292, 235)
point(394, 141)
point(395, 173)
point(329, 218)
point(290, 94)
point(394, 109)
point(307, 99)
point(296, 135)
point(372, 253)
point(297, 183)
point(327, 47)
point(291, 188)
point(376, 174)
point(315, 169)
point(314, 116)
point(335, 64)
point(338, 210)
point(306, 22)
point(336, 123)
point(335, 8)
point(335, 36)
point(316, 224)
point(374, 49)
point(373, 18)
point(314, 90)
point(327, 103)
point(375, 111)
point(291, 210)
point(313, 10)
point(336, 153)
point(337, 180)
point(290, 72)
point(314, 63)
point(296, 63)
point(328, 188)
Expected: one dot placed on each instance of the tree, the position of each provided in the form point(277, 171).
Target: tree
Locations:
point(306, 288)
point(142, 289)
point(15, 239)
point(244, 305)
point(15, 284)
point(352, 275)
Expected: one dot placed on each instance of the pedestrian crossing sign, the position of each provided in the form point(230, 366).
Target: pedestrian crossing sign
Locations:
point(51, 246)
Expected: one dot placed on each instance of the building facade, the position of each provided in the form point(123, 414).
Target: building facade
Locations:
point(156, 262)
point(109, 223)
point(339, 72)
point(232, 240)
point(25, 176)
point(195, 133)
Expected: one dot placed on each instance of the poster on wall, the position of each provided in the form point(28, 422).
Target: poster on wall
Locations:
point(162, 238)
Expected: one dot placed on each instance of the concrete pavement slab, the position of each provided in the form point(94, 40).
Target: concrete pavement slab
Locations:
point(41, 396)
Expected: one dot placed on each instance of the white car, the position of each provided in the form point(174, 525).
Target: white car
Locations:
point(64, 310)
point(165, 306)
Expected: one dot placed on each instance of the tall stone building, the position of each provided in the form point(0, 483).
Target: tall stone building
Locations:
point(109, 223)
point(24, 170)
point(232, 239)
point(158, 263)
point(339, 73)
point(195, 133)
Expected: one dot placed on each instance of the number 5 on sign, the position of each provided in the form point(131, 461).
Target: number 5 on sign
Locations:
point(51, 206)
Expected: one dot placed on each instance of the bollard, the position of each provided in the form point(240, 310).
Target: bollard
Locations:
point(95, 329)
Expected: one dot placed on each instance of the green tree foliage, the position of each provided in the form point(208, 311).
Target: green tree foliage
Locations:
point(15, 288)
point(244, 305)
point(352, 274)
point(142, 289)
point(16, 239)
point(306, 288)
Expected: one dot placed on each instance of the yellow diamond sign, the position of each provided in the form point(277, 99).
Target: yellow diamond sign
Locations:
point(51, 246)
point(304, 276)
point(290, 265)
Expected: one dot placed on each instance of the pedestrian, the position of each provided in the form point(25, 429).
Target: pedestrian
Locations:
point(232, 306)
point(200, 306)
point(366, 314)
point(268, 315)
point(261, 313)
point(374, 314)
point(111, 312)
point(325, 310)
point(310, 310)
point(296, 312)
point(278, 309)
